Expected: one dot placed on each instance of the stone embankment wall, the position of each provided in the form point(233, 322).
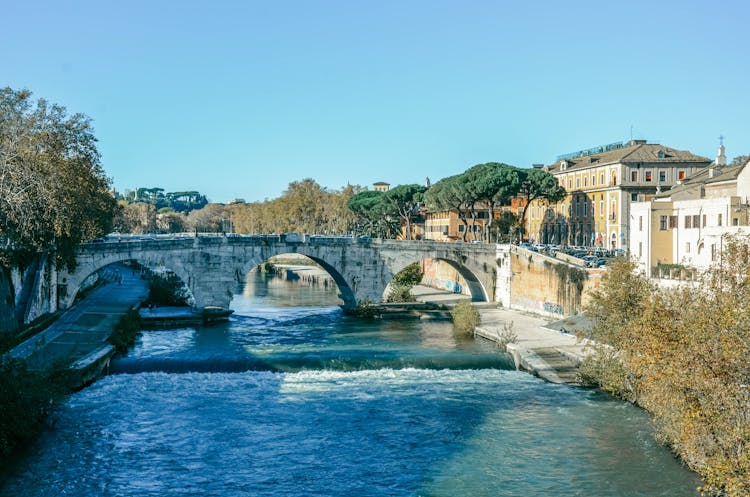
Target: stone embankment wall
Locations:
point(547, 286)
point(27, 293)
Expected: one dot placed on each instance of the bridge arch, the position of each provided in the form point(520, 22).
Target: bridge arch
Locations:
point(346, 293)
point(476, 288)
point(69, 284)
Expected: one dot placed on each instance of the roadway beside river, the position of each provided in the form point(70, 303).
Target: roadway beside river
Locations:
point(82, 331)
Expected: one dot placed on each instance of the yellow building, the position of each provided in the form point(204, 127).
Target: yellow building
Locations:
point(601, 183)
point(381, 186)
point(446, 226)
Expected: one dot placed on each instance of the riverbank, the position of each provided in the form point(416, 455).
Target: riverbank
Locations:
point(78, 339)
point(538, 346)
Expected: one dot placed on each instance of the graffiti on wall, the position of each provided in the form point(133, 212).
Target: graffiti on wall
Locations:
point(552, 308)
point(440, 275)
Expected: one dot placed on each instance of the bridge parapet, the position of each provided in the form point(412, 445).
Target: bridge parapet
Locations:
point(214, 265)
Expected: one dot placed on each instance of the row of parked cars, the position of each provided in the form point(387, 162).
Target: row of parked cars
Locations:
point(590, 256)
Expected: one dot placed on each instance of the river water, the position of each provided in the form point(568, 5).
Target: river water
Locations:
point(291, 398)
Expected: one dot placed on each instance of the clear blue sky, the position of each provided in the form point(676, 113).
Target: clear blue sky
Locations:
point(237, 99)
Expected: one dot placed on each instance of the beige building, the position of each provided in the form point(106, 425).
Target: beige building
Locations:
point(446, 226)
point(381, 186)
point(601, 184)
point(686, 226)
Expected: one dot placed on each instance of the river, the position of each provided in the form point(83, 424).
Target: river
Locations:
point(292, 398)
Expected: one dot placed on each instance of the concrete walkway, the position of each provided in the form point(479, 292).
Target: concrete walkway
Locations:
point(549, 354)
point(82, 331)
point(538, 348)
point(434, 295)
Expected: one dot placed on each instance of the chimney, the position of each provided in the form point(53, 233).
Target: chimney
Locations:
point(636, 142)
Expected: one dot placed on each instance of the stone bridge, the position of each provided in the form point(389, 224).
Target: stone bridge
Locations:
point(213, 267)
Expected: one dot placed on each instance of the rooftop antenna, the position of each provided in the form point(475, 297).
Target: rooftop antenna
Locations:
point(721, 139)
point(631, 132)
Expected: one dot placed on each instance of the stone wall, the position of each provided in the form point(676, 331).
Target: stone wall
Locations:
point(441, 275)
point(543, 285)
point(27, 293)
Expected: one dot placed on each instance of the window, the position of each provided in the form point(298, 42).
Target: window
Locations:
point(578, 182)
point(704, 220)
point(687, 247)
point(602, 178)
point(696, 221)
point(688, 222)
point(719, 220)
point(735, 221)
point(713, 251)
point(634, 176)
point(585, 181)
point(640, 249)
point(460, 228)
point(663, 223)
point(672, 222)
point(601, 208)
point(680, 174)
point(593, 180)
point(648, 176)
point(634, 197)
point(640, 223)
point(662, 176)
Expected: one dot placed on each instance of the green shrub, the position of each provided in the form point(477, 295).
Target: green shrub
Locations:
point(167, 290)
point(366, 309)
point(401, 293)
point(465, 317)
point(126, 331)
point(26, 399)
point(409, 276)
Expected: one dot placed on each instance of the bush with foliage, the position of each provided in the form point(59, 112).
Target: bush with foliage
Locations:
point(409, 276)
point(465, 317)
point(26, 398)
point(403, 282)
point(126, 331)
point(400, 293)
point(167, 289)
point(682, 354)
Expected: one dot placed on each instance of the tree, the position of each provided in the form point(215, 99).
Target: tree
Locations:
point(740, 160)
point(136, 218)
point(492, 184)
point(451, 193)
point(403, 201)
point(209, 219)
point(53, 191)
point(371, 215)
point(682, 355)
point(170, 221)
point(539, 185)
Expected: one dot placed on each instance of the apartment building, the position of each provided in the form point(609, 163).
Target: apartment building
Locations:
point(601, 184)
point(687, 225)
